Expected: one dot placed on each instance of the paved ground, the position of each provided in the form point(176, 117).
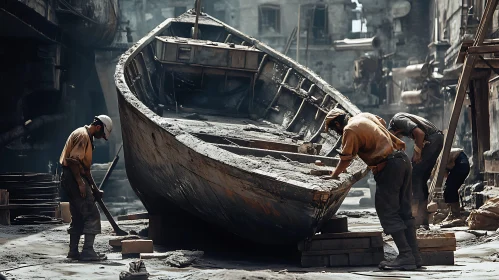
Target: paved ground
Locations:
point(38, 252)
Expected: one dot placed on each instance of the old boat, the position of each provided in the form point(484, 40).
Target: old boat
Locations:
point(212, 129)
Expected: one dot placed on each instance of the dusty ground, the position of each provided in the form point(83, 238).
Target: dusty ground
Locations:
point(38, 252)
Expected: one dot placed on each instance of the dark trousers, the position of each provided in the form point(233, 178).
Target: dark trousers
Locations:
point(456, 178)
point(85, 217)
point(421, 172)
point(393, 194)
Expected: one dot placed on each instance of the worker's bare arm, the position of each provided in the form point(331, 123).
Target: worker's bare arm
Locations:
point(341, 167)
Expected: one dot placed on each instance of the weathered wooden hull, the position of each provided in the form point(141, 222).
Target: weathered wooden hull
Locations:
point(170, 167)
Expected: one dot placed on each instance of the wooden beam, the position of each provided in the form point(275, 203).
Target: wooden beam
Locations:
point(436, 184)
point(482, 64)
point(481, 115)
point(484, 49)
point(196, 25)
point(303, 158)
point(276, 96)
point(200, 69)
point(298, 112)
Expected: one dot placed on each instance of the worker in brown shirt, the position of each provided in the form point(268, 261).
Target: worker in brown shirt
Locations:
point(76, 159)
point(366, 136)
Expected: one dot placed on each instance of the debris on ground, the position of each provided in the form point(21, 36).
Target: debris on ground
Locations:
point(137, 271)
point(486, 217)
point(356, 214)
point(195, 116)
point(182, 258)
point(464, 236)
point(366, 202)
point(355, 193)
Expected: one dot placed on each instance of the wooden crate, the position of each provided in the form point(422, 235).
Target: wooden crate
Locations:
point(342, 249)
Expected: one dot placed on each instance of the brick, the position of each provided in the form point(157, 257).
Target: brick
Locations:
point(347, 235)
point(438, 258)
point(365, 259)
point(337, 224)
point(314, 261)
point(437, 249)
point(136, 246)
point(436, 242)
point(338, 252)
point(339, 244)
point(376, 242)
point(65, 213)
point(338, 260)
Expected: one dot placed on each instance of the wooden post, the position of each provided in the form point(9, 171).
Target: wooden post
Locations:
point(298, 35)
point(4, 213)
point(461, 92)
point(474, 134)
point(482, 119)
point(196, 28)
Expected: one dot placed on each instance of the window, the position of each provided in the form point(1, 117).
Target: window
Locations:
point(314, 20)
point(269, 19)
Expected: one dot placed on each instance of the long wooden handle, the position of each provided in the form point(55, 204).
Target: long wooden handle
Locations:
point(110, 218)
point(103, 207)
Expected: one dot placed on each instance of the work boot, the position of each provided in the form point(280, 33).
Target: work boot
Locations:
point(410, 235)
point(454, 218)
point(88, 254)
point(74, 240)
point(405, 259)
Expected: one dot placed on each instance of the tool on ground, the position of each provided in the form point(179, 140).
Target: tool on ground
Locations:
point(98, 195)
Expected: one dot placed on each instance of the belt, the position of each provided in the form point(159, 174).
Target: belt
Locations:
point(375, 169)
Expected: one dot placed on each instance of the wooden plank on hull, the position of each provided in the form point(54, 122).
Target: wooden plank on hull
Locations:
point(279, 90)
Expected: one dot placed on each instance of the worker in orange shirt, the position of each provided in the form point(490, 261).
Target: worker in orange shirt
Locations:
point(366, 136)
point(76, 159)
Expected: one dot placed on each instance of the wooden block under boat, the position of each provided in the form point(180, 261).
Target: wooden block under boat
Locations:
point(331, 243)
point(438, 242)
point(337, 224)
point(343, 259)
point(438, 258)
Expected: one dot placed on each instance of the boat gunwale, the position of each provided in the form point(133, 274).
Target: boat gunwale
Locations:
point(186, 138)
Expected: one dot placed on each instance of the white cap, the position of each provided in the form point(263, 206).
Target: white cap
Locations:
point(108, 125)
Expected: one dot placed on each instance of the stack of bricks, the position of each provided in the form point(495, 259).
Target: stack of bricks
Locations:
point(341, 248)
point(437, 248)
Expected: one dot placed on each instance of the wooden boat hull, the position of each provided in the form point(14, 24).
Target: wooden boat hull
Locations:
point(170, 167)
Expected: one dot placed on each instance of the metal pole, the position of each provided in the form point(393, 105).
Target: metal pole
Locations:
point(198, 8)
point(298, 34)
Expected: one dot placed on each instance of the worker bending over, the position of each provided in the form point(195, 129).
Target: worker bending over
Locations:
point(457, 169)
point(428, 142)
point(365, 135)
point(76, 180)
